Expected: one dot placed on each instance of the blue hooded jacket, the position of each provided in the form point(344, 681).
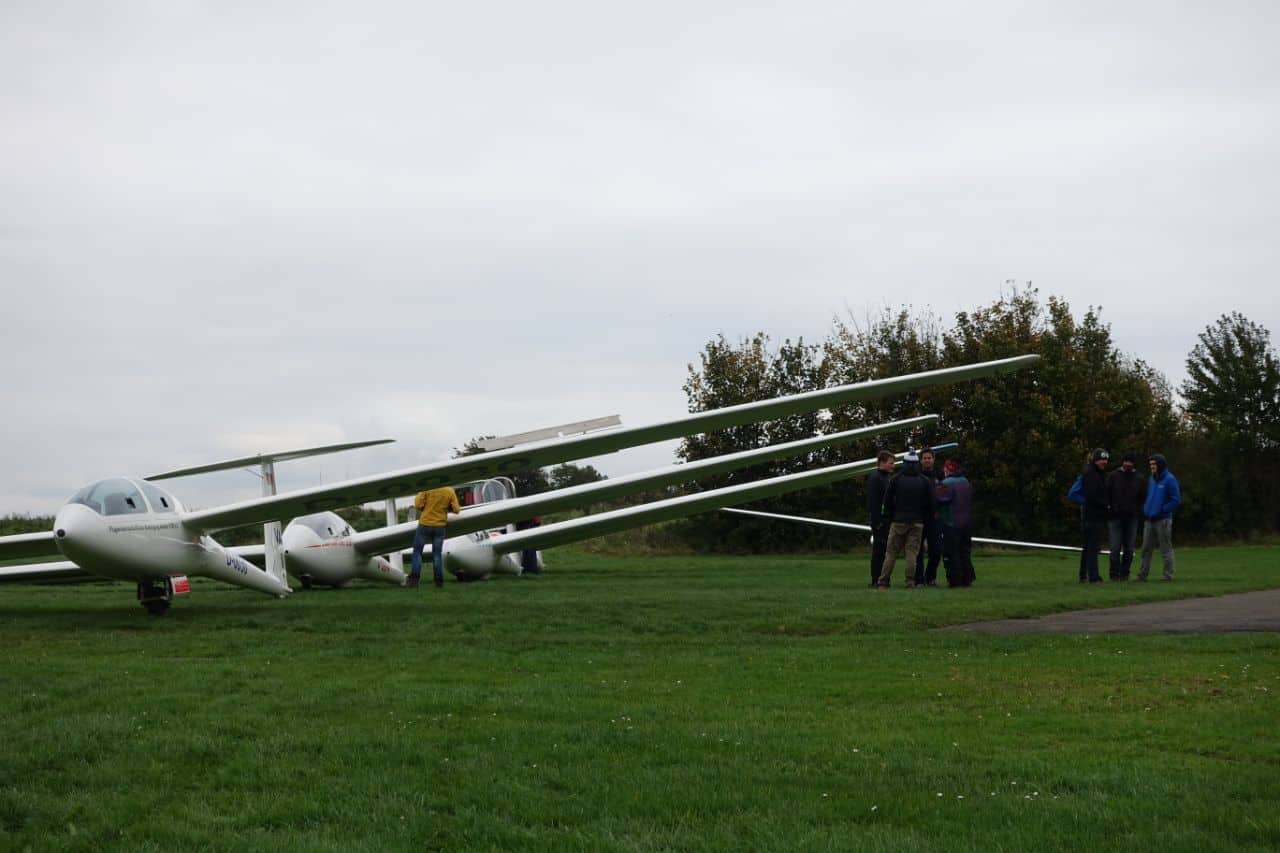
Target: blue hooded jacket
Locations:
point(1163, 493)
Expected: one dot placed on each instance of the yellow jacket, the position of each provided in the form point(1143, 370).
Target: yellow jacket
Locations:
point(434, 503)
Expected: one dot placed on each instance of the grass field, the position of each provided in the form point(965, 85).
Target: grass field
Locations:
point(688, 703)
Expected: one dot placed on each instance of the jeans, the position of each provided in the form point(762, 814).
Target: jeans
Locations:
point(879, 542)
point(932, 538)
point(1124, 532)
point(420, 538)
point(1093, 533)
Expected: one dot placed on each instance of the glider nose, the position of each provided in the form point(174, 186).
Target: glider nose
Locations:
point(73, 525)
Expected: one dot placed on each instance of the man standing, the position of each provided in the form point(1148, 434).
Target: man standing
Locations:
point(1126, 492)
point(877, 485)
point(1163, 497)
point(932, 536)
point(433, 506)
point(1093, 482)
point(908, 501)
point(955, 514)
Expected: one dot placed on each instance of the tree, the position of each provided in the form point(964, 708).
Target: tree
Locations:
point(1022, 436)
point(1232, 450)
point(744, 372)
point(1233, 385)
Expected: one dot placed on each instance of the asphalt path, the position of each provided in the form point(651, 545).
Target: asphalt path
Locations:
point(1244, 611)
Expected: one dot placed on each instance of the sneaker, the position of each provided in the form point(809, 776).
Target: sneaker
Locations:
point(912, 585)
point(873, 585)
point(1141, 578)
point(1096, 580)
point(882, 586)
point(439, 583)
point(412, 582)
point(1084, 580)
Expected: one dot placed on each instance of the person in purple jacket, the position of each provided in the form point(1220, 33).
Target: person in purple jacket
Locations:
point(955, 503)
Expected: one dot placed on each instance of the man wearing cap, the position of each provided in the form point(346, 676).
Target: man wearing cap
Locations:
point(1126, 492)
point(1093, 483)
point(1163, 497)
point(908, 501)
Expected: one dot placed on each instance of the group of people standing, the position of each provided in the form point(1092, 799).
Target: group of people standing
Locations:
point(1113, 504)
point(920, 508)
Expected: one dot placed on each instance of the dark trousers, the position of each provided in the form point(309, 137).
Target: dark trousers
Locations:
point(879, 542)
point(1093, 534)
point(434, 535)
point(927, 571)
point(1124, 532)
point(957, 555)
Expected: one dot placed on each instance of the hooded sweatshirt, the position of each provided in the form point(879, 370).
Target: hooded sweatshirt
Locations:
point(1126, 492)
point(909, 498)
point(1163, 493)
point(956, 500)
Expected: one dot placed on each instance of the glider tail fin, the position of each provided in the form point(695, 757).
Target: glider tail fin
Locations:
point(274, 550)
point(397, 560)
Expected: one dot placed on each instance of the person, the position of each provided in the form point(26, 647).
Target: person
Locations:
point(1163, 497)
point(955, 516)
point(877, 485)
point(908, 501)
point(433, 506)
point(1093, 482)
point(529, 556)
point(927, 574)
point(1126, 492)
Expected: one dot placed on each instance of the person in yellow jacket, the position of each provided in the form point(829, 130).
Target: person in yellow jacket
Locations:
point(433, 507)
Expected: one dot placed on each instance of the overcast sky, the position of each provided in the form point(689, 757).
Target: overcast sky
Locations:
point(228, 228)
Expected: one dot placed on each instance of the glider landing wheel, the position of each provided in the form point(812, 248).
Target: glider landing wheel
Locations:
point(155, 596)
point(156, 606)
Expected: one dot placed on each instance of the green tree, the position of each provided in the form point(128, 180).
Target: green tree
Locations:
point(1022, 436)
point(1230, 460)
point(729, 374)
point(1233, 385)
point(568, 474)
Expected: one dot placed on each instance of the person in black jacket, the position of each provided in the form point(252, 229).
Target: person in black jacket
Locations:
point(931, 540)
point(1126, 492)
point(877, 485)
point(909, 500)
point(1093, 482)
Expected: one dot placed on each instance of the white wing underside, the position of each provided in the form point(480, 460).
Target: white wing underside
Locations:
point(847, 525)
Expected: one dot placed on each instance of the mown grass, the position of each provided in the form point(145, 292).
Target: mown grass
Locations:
point(689, 703)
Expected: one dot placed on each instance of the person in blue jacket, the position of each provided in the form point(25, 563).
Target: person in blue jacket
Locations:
point(1163, 497)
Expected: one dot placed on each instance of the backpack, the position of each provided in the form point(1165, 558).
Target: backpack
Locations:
point(1075, 494)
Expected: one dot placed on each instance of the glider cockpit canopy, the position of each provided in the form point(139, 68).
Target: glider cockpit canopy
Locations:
point(485, 491)
point(123, 496)
point(326, 525)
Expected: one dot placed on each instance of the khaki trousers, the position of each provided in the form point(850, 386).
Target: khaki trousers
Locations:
point(902, 536)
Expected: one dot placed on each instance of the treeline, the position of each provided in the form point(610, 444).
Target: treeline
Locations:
point(1023, 437)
